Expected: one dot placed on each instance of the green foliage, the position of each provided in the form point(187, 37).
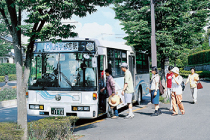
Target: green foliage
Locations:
point(12, 77)
point(8, 94)
point(52, 128)
point(7, 68)
point(10, 131)
point(202, 74)
point(199, 57)
point(177, 28)
point(4, 47)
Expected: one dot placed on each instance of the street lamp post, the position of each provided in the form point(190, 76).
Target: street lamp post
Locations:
point(153, 40)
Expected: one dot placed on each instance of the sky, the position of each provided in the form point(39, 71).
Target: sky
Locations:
point(99, 25)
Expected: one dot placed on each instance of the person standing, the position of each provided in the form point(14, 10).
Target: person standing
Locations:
point(169, 85)
point(128, 89)
point(6, 79)
point(176, 95)
point(193, 78)
point(154, 90)
point(110, 87)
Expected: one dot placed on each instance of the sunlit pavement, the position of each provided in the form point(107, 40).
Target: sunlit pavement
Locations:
point(193, 125)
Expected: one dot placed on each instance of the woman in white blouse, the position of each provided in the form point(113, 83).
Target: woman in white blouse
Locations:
point(176, 95)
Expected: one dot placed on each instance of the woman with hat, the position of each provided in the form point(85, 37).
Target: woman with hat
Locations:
point(110, 87)
point(176, 95)
point(154, 89)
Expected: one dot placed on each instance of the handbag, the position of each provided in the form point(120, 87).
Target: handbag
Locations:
point(183, 85)
point(199, 85)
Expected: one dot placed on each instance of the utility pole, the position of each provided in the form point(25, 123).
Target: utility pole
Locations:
point(153, 40)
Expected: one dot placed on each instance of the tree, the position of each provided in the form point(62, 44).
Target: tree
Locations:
point(179, 25)
point(42, 18)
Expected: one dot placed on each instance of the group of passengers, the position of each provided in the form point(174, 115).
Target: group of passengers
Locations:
point(173, 90)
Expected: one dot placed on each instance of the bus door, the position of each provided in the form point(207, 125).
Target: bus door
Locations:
point(101, 83)
point(132, 66)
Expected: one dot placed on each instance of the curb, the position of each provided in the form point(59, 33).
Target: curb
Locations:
point(9, 103)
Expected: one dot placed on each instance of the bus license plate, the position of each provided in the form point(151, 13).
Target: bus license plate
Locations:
point(57, 111)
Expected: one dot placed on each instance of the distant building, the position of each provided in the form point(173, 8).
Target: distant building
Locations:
point(10, 57)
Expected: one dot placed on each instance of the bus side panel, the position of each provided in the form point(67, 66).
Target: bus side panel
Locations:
point(142, 80)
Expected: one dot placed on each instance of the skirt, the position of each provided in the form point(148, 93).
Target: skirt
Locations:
point(155, 99)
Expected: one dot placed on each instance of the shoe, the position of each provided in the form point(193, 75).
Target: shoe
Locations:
point(174, 114)
point(183, 112)
point(129, 117)
point(114, 117)
point(159, 112)
point(155, 113)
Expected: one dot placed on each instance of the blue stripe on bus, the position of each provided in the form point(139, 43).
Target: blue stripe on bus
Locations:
point(47, 96)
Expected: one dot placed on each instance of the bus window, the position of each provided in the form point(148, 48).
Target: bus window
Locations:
point(142, 65)
point(115, 59)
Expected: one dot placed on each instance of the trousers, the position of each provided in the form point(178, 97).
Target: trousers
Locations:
point(194, 92)
point(177, 100)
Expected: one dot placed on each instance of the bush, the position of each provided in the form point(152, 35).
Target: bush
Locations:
point(199, 57)
point(52, 128)
point(12, 77)
point(7, 68)
point(8, 94)
point(1, 78)
point(10, 131)
point(202, 74)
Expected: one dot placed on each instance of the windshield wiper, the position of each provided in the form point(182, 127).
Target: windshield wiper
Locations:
point(66, 79)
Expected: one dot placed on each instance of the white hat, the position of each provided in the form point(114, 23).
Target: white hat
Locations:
point(114, 100)
point(175, 70)
point(124, 65)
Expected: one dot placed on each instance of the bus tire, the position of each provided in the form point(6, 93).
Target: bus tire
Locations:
point(139, 96)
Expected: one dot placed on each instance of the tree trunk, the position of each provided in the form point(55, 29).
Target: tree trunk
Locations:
point(21, 98)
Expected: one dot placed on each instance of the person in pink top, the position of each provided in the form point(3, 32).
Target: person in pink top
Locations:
point(169, 85)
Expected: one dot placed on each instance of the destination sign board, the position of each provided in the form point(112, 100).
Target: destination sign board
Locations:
point(62, 46)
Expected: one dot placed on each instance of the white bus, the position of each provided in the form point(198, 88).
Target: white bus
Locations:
point(66, 77)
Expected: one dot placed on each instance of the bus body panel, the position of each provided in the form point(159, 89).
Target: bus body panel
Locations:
point(143, 81)
point(67, 101)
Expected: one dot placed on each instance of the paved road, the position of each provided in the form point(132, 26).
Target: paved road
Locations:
point(10, 115)
point(10, 83)
point(194, 125)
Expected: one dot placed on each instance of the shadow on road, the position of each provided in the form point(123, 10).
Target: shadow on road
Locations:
point(187, 102)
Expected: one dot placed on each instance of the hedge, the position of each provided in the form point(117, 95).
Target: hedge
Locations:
point(8, 94)
point(52, 128)
point(202, 74)
point(7, 68)
point(199, 57)
point(10, 131)
point(12, 77)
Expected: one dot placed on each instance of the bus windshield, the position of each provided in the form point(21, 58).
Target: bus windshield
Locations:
point(72, 71)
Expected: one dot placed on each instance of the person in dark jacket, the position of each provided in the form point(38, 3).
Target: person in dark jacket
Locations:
point(110, 88)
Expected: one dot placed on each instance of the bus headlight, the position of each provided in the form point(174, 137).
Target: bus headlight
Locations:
point(36, 107)
point(89, 46)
